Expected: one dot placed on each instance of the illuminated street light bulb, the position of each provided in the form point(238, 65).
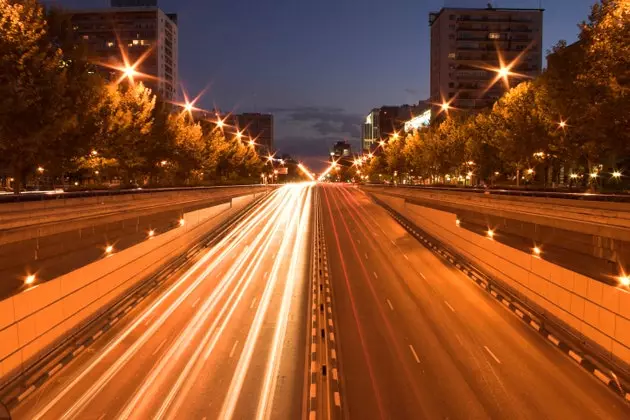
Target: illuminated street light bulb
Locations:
point(593, 175)
point(624, 280)
point(220, 123)
point(182, 222)
point(530, 171)
point(490, 233)
point(395, 136)
point(96, 172)
point(30, 279)
point(270, 158)
point(129, 72)
point(109, 249)
point(151, 233)
point(470, 174)
point(333, 164)
point(496, 173)
point(445, 106)
point(370, 155)
point(382, 143)
point(562, 124)
point(94, 153)
point(281, 161)
point(470, 162)
point(504, 72)
point(573, 176)
point(163, 163)
point(616, 174)
point(536, 250)
point(332, 153)
point(252, 142)
point(458, 222)
point(40, 170)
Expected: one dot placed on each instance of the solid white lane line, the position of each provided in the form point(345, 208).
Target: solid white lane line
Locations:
point(375, 275)
point(337, 399)
point(233, 349)
point(253, 303)
point(406, 257)
point(415, 355)
point(158, 347)
point(390, 304)
point(196, 302)
point(313, 390)
point(449, 305)
point(422, 275)
point(492, 354)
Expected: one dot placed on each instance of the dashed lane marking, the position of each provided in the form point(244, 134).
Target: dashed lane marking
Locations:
point(253, 303)
point(415, 355)
point(158, 347)
point(390, 304)
point(366, 257)
point(337, 399)
point(406, 257)
point(492, 354)
point(375, 275)
point(196, 302)
point(233, 349)
point(449, 306)
point(313, 390)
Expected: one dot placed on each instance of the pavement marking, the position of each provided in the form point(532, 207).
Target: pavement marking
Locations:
point(519, 313)
point(449, 305)
point(366, 257)
point(375, 275)
point(406, 257)
point(492, 354)
point(55, 369)
point(311, 415)
point(97, 335)
point(314, 332)
point(330, 322)
point(337, 399)
point(415, 355)
point(313, 348)
point(233, 349)
point(313, 390)
point(265, 276)
point(535, 325)
point(158, 347)
point(422, 275)
point(78, 350)
point(358, 241)
point(390, 304)
point(26, 393)
point(313, 366)
point(333, 354)
point(335, 374)
point(332, 336)
point(253, 303)
point(196, 302)
point(575, 356)
point(393, 242)
point(459, 339)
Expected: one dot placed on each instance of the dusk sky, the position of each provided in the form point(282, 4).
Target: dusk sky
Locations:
point(319, 66)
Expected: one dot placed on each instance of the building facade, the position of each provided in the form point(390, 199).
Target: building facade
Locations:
point(140, 29)
point(258, 126)
point(383, 122)
point(469, 46)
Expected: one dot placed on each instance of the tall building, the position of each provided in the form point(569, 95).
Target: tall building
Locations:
point(139, 28)
point(382, 122)
point(468, 47)
point(258, 126)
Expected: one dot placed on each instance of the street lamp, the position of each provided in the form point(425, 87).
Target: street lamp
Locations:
point(445, 106)
point(562, 124)
point(530, 171)
point(30, 279)
point(624, 280)
point(616, 174)
point(573, 176)
point(94, 153)
point(40, 170)
point(220, 123)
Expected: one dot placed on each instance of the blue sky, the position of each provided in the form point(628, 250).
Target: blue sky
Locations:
point(319, 65)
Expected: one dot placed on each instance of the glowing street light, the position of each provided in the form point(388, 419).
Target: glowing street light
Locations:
point(220, 123)
point(239, 134)
point(573, 176)
point(593, 175)
point(40, 170)
point(370, 155)
point(129, 72)
point(490, 233)
point(530, 171)
point(30, 279)
point(536, 250)
point(503, 72)
point(624, 280)
point(382, 143)
point(395, 136)
point(616, 174)
point(151, 233)
point(270, 158)
point(562, 124)
point(109, 249)
point(252, 142)
point(445, 106)
point(94, 152)
point(182, 222)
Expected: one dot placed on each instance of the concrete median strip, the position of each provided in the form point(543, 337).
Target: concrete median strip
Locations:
point(473, 274)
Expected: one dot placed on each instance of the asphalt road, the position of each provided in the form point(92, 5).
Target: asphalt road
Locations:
point(227, 339)
point(417, 339)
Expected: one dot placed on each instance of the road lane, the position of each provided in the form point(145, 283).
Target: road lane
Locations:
point(202, 346)
point(465, 356)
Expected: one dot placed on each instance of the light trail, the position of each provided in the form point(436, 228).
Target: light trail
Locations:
point(191, 379)
point(229, 404)
point(273, 363)
point(246, 226)
point(175, 351)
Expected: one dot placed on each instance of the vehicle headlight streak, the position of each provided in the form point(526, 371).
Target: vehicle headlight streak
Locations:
point(231, 240)
point(175, 351)
point(231, 399)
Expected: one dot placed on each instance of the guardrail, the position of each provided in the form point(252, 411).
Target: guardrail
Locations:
point(585, 196)
point(46, 196)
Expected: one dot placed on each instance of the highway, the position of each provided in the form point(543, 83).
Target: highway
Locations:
point(417, 339)
point(226, 339)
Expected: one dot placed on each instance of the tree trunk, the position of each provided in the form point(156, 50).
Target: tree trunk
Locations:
point(518, 177)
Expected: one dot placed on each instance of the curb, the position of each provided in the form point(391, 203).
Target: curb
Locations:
point(486, 284)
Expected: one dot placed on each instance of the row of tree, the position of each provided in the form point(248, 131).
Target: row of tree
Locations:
point(572, 124)
point(60, 118)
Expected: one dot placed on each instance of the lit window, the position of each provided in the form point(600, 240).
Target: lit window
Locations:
point(110, 44)
point(494, 35)
point(136, 41)
point(86, 37)
point(451, 55)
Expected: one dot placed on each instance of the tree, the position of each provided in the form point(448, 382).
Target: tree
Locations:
point(188, 145)
point(34, 105)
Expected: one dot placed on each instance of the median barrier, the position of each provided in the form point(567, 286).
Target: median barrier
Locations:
point(33, 321)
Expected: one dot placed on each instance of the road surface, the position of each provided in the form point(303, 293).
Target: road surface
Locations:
point(226, 340)
point(417, 339)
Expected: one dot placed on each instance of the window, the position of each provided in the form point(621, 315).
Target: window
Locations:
point(86, 37)
point(136, 42)
point(110, 44)
point(494, 35)
point(451, 55)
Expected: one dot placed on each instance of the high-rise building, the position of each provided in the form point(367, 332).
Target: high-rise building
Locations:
point(470, 46)
point(383, 122)
point(258, 126)
point(140, 29)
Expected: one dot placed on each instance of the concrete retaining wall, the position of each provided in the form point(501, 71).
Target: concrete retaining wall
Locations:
point(597, 311)
point(32, 321)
